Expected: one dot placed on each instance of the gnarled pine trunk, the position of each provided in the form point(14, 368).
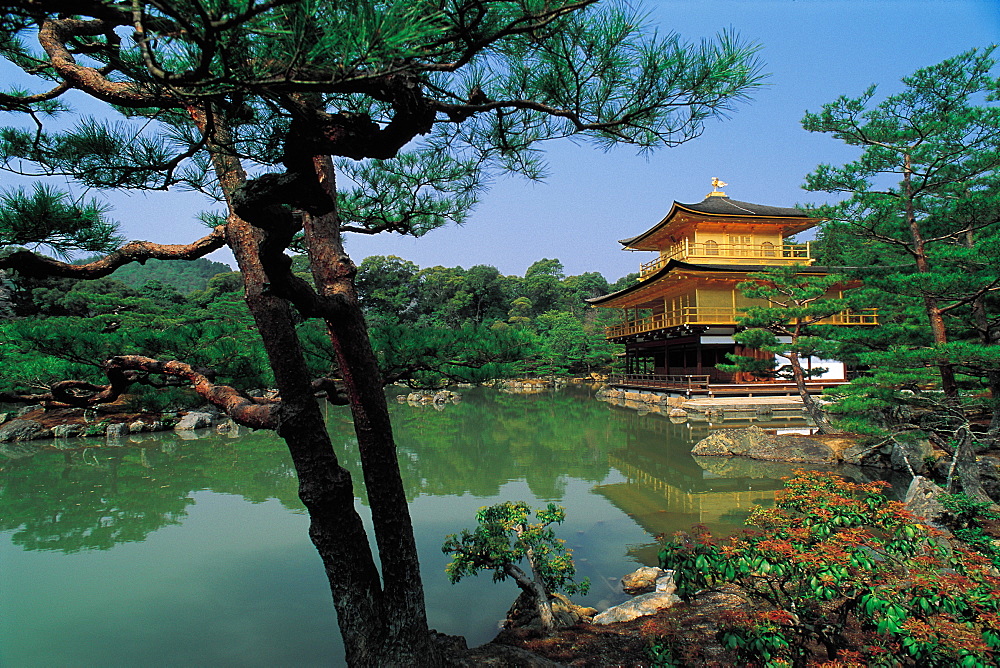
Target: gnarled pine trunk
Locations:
point(376, 629)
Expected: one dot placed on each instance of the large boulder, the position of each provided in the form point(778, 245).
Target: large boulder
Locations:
point(640, 606)
point(66, 430)
point(989, 475)
point(864, 454)
point(194, 420)
point(909, 455)
point(755, 443)
point(922, 500)
point(21, 430)
point(896, 455)
point(642, 580)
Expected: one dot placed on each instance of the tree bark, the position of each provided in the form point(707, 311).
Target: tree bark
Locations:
point(324, 486)
point(934, 315)
point(407, 638)
point(535, 590)
point(812, 408)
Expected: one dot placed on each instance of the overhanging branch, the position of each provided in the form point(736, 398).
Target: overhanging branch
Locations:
point(32, 264)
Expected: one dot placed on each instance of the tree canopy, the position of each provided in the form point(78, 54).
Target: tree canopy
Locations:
point(919, 225)
point(307, 119)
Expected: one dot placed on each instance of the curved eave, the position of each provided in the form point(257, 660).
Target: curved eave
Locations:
point(676, 265)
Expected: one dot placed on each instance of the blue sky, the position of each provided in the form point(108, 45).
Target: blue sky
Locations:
point(815, 50)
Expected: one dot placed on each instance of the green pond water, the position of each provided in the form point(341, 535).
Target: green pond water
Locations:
point(193, 552)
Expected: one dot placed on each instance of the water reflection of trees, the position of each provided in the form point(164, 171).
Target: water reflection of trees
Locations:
point(491, 438)
point(94, 498)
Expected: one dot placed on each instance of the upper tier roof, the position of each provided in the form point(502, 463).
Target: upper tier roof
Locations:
point(724, 205)
point(715, 207)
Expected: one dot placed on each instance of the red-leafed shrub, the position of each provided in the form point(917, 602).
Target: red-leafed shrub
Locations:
point(836, 568)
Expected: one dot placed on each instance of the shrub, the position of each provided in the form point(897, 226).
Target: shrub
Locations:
point(837, 566)
point(965, 517)
point(503, 539)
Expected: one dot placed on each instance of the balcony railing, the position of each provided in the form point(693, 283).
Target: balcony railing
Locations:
point(710, 251)
point(702, 315)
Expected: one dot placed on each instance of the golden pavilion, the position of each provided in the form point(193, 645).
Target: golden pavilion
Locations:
point(678, 321)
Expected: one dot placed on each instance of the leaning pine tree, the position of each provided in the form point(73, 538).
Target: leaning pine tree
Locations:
point(796, 303)
point(415, 102)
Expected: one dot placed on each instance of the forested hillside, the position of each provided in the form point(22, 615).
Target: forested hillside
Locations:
point(184, 275)
point(429, 326)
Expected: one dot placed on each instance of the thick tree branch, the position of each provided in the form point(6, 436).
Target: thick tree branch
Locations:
point(234, 403)
point(126, 370)
point(24, 102)
point(54, 34)
point(31, 264)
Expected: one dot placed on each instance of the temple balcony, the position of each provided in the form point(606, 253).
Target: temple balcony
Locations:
point(711, 252)
point(695, 315)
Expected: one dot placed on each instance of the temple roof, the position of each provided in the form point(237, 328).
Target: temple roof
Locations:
point(676, 265)
point(723, 208)
point(724, 205)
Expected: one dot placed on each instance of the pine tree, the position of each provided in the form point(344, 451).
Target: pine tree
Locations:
point(796, 304)
point(417, 103)
point(922, 212)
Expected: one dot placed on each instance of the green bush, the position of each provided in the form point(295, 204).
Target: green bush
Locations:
point(837, 565)
point(964, 518)
point(503, 539)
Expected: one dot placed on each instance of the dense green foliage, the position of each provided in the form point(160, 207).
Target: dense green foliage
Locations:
point(837, 565)
point(920, 226)
point(428, 326)
point(542, 315)
point(67, 328)
point(185, 276)
point(504, 538)
point(52, 220)
point(965, 518)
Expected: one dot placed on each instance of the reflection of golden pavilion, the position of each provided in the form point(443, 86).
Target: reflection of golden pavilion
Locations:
point(662, 506)
point(678, 321)
point(666, 489)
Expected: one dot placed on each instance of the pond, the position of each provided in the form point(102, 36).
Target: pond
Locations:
point(170, 551)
